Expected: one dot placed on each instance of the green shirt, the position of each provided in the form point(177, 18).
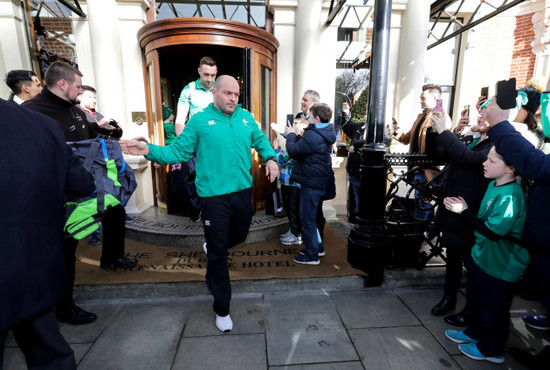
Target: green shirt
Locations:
point(169, 133)
point(503, 211)
point(223, 146)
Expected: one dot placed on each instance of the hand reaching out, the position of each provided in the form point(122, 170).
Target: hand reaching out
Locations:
point(272, 170)
point(454, 204)
point(136, 146)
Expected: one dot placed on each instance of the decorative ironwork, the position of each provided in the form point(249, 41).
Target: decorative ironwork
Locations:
point(441, 11)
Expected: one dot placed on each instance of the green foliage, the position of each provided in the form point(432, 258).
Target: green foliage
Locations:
point(359, 109)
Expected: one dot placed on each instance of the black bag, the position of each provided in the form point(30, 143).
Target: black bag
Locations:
point(114, 179)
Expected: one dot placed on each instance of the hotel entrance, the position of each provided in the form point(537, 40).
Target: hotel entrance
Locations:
point(172, 48)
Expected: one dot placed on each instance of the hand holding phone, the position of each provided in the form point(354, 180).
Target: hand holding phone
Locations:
point(438, 106)
point(466, 111)
point(484, 92)
point(289, 119)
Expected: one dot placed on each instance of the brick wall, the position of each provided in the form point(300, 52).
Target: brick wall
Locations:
point(53, 45)
point(523, 59)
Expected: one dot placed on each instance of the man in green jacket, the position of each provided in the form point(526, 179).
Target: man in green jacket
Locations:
point(222, 136)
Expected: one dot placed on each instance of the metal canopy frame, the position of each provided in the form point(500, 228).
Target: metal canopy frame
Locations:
point(200, 4)
point(439, 11)
point(349, 10)
point(74, 6)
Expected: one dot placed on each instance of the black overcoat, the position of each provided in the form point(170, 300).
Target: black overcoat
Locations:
point(464, 178)
point(37, 169)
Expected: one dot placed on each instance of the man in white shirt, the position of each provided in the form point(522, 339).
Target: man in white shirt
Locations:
point(24, 85)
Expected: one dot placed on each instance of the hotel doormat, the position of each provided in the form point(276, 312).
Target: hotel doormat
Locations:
point(264, 260)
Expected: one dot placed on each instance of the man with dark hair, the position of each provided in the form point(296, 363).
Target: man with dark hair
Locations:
point(24, 85)
point(33, 277)
point(88, 103)
point(416, 138)
point(197, 94)
point(222, 135)
point(194, 97)
point(58, 101)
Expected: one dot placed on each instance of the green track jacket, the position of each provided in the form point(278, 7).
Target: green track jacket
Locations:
point(223, 146)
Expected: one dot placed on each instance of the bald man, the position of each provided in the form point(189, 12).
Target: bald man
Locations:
point(222, 135)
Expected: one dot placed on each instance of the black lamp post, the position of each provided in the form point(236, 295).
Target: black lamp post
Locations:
point(367, 249)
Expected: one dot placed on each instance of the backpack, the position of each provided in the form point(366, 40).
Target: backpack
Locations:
point(114, 179)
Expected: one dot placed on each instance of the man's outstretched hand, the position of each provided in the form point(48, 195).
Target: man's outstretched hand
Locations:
point(272, 170)
point(136, 146)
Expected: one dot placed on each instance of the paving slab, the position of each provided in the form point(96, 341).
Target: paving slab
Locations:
point(142, 335)
point(352, 365)
point(89, 332)
point(408, 348)
point(247, 313)
point(372, 308)
point(227, 352)
point(524, 337)
point(15, 360)
point(421, 301)
point(467, 363)
point(437, 330)
point(305, 328)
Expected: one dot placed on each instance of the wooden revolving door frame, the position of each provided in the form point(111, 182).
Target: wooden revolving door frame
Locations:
point(189, 38)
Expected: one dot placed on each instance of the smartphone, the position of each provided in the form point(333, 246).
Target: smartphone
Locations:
point(438, 106)
point(506, 93)
point(484, 91)
point(289, 118)
point(467, 110)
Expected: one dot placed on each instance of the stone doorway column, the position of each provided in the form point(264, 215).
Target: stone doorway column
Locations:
point(107, 59)
point(410, 74)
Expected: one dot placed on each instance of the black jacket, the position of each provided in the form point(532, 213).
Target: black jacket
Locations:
point(38, 169)
point(464, 177)
point(68, 115)
point(311, 152)
point(354, 131)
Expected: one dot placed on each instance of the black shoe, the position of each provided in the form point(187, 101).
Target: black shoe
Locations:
point(458, 319)
point(76, 316)
point(121, 263)
point(447, 304)
point(534, 362)
point(196, 215)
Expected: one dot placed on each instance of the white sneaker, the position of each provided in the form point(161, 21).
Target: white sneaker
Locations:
point(204, 248)
point(292, 240)
point(224, 323)
point(286, 235)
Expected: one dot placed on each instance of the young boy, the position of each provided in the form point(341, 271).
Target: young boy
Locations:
point(495, 264)
point(313, 171)
point(290, 189)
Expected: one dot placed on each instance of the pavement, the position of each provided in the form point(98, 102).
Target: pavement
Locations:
point(292, 326)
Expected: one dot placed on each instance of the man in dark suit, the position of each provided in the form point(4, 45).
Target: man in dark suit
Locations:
point(63, 83)
point(38, 170)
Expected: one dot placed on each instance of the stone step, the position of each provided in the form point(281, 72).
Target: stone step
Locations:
point(154, 227)
point(168, 230)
